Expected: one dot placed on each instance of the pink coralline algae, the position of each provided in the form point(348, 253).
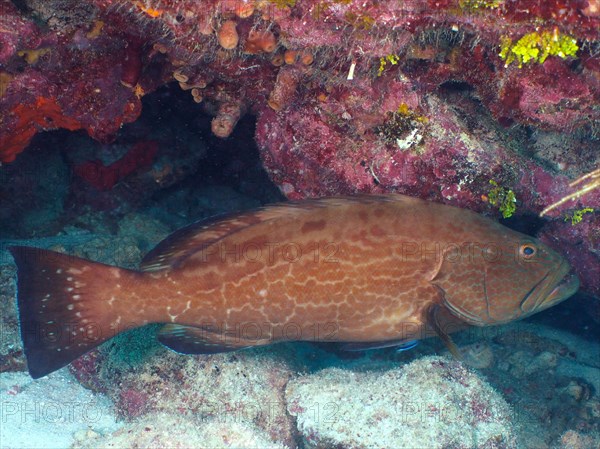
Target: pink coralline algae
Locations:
point(132, 403)
point(324, 79)
point(16, 32)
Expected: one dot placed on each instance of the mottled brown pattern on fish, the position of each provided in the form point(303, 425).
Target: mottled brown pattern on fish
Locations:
point(364, 285)
point(363, 215)
point(343, 290)
point(312, 226)
point(367, 269)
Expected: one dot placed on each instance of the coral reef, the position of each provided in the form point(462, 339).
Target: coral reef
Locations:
point(432, 402)
point(412, 36)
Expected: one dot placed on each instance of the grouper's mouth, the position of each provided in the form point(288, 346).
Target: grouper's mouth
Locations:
point(568, 285)
point(553, 288)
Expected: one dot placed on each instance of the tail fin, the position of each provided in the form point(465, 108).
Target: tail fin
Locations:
point(66, 306)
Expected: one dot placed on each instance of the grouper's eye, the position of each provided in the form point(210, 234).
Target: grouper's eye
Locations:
point(527, 251)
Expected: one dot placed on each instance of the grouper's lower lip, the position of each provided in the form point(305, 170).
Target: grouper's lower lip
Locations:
point(565, 288)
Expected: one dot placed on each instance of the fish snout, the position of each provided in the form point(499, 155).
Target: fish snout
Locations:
point(558, 288)
point(567, 287)
point(557, 285)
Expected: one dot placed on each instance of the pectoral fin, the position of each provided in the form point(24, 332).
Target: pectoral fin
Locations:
point(197, 340)
point(437, 320)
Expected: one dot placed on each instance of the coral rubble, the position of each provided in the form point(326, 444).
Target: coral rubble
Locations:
point(243, 387)
point(173, 432)
point(432, 402)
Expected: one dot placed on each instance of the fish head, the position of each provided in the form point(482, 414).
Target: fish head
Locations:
point(505, 280)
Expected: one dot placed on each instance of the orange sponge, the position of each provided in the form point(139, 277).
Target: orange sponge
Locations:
point(227, 35)
point(285, 87)
point(227, 117)
point(260, 41)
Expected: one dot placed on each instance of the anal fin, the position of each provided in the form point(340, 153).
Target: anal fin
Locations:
point(198, 340)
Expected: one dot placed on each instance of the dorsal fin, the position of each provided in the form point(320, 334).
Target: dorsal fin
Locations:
point(186, 241)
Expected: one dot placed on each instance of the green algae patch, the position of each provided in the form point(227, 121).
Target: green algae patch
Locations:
point(537, 47)
point(503, 198)
point(577, 216)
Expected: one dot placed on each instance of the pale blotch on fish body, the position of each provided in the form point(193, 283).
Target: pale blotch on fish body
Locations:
point(366, 271)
